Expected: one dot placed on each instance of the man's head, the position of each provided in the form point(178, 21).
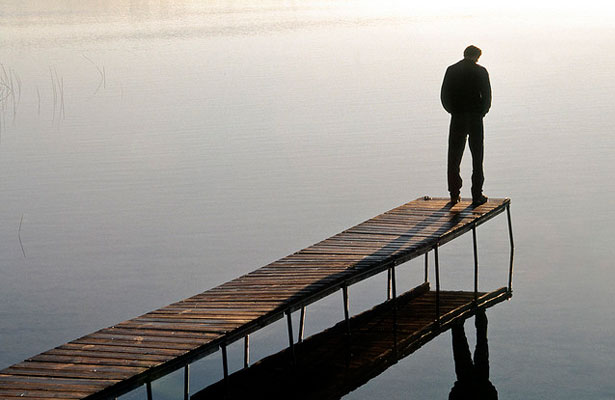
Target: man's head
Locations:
point(472, 53)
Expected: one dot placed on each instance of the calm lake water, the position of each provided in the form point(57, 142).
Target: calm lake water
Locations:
point(150, 150)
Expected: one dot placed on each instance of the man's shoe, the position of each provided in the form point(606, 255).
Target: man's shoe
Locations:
point(477, 201)
point(455, 199)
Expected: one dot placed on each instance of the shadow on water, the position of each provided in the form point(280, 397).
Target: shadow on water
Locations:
point(344, 357)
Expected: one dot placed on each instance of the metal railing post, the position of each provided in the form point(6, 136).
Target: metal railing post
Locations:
point(187, 382)
point(224, 361)
point(394, 299)
point(291, 344)
point(393, 284)
point(437, 262)
point(246, 351)
point(346, 308)
point(475, 263)
point(427, 267)
point(301, 324)
point(148, 389)
point(389, 284)
point(512, 249)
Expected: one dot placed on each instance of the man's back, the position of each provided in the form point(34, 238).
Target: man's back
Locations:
point(466, 88)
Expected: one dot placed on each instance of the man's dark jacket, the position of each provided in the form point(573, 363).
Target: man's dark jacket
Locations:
point(466, 88)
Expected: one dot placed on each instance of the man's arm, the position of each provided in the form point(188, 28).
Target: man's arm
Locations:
point(445, 92)
point(485, 90)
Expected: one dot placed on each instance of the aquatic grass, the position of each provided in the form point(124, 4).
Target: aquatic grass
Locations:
point(101, 71)
point(57, 86)
point(38, 96)
point(23, 251)
point(55, 93)
point(10, 91)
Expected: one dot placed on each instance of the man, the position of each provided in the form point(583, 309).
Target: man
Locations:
point(466, 95)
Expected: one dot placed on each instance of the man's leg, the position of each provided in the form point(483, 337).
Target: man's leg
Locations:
point(461, 354)
point(476, 147)
point(456, 145)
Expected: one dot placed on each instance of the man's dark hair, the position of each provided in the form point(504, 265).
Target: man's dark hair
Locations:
point(472, 52)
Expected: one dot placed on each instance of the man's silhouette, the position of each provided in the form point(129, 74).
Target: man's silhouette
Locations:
point(472, 377)
point(466, 95)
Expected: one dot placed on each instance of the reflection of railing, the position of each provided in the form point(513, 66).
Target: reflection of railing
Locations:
point(512, 249)
point(214, 319)
point(391, 284)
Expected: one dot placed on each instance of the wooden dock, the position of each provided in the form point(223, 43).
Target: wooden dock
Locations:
point(118, 359)
point(332, 363)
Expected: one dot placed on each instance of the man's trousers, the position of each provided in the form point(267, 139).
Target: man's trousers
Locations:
point(465, 125)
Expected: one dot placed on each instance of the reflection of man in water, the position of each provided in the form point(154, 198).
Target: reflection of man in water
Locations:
point(472, 377)
point(466, 95)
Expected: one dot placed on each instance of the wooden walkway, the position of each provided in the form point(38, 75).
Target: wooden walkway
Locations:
point(332, 363)
point(115, 360)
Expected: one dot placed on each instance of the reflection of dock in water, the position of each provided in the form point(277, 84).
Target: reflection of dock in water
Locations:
point(115, 360)
point(332, 363)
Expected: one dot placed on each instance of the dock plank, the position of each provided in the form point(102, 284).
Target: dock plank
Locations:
point(103, 355)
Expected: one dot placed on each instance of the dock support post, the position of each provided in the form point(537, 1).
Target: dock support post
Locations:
point(301, 325)
point(246, 351)
point(394, 299)
point(437, 262)
point(389, 284)
point(427, 267)
point(391, 293)
point(224, 361)
point(393, 284)
point(348, 354)
point(346, 308)
point(512, 249)
point(475, 263)
point(148, 389)
point(291, 343)
point(187, 382)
